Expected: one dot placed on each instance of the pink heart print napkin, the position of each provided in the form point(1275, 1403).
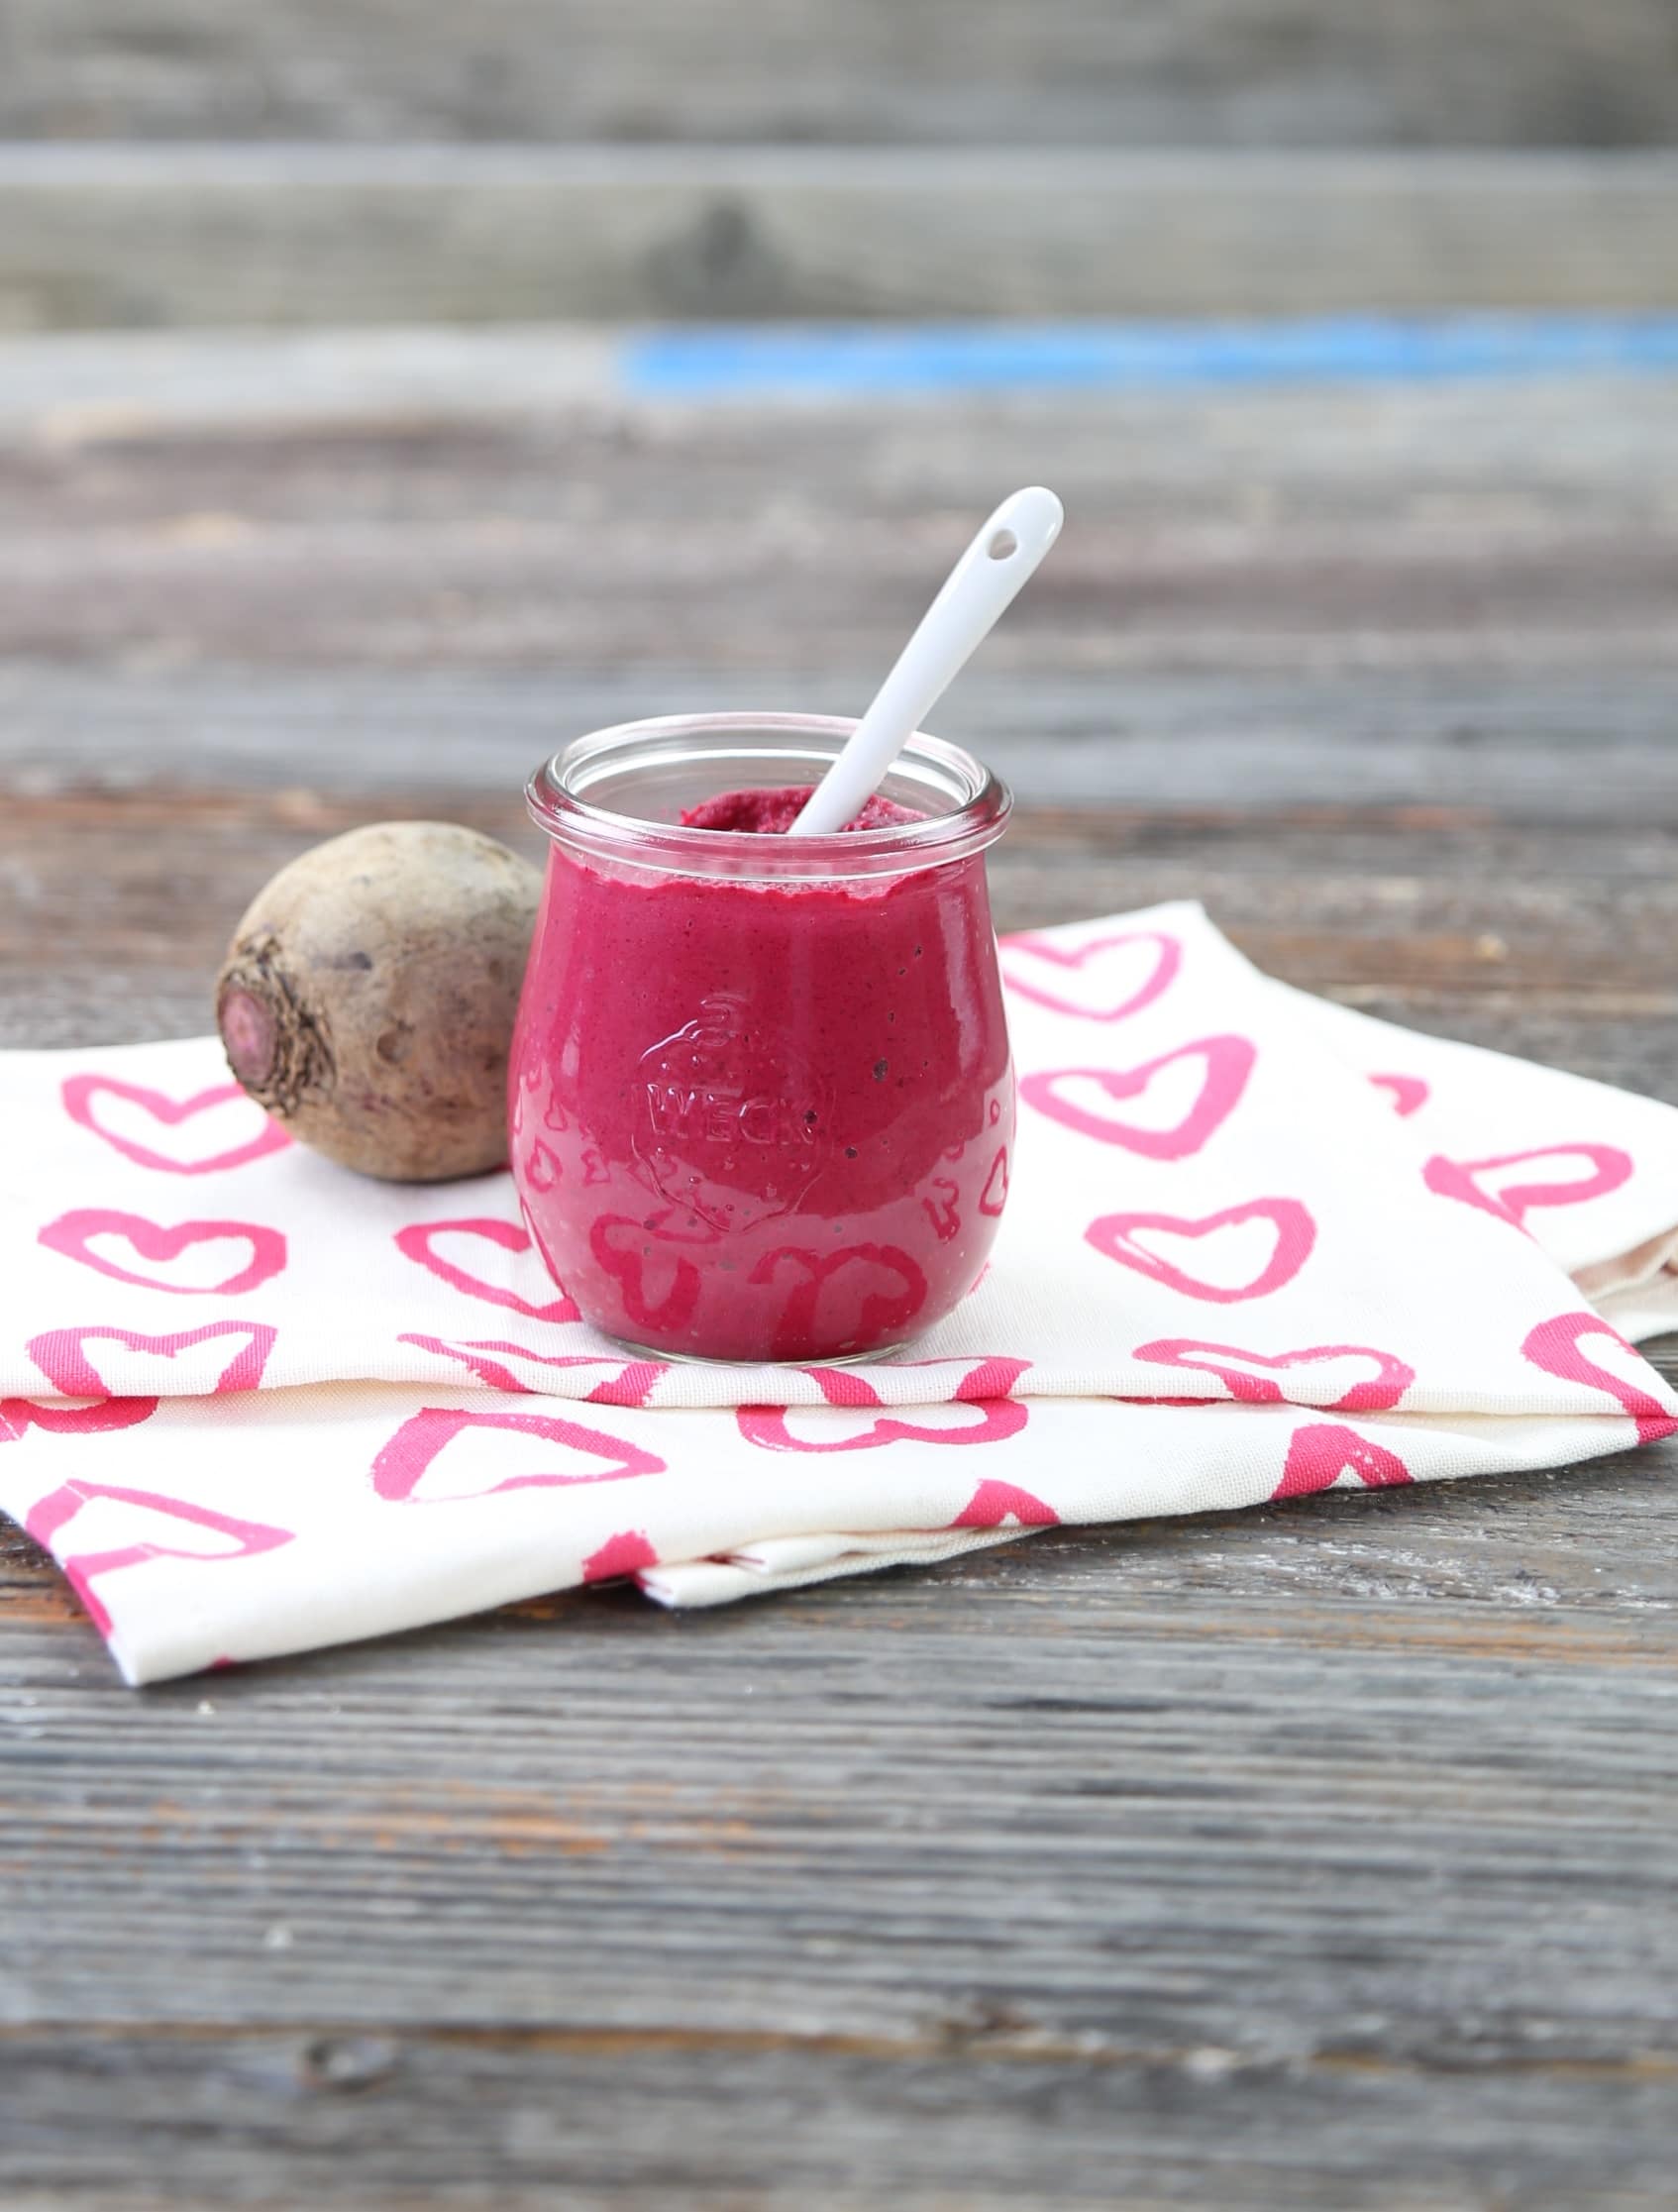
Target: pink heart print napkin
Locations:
point(1254, 1247)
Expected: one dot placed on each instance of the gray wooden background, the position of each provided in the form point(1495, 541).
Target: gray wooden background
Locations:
point(1098, 73)
point(212, 161)
point(1320, 1856)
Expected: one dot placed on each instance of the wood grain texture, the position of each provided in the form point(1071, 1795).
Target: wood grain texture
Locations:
point(1581, 748)
point(1325, 1841)
point(610, 2121)
point(107, 236)
point(1098, 73)
point(1313, 1857)
point(1527, 530)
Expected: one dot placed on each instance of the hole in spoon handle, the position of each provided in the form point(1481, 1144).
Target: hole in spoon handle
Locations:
point(998, 560)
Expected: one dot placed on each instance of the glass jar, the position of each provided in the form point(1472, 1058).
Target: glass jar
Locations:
point(761, 1103)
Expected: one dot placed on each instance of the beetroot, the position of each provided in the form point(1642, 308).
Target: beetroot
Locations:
point(771, 812)
point(367, 998)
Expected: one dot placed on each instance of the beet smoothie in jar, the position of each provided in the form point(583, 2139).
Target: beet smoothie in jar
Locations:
point(761, 1105)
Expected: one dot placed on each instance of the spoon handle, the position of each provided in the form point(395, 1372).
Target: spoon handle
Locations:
point(977, 591)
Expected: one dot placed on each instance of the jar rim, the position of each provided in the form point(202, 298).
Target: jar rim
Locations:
point(980, 801)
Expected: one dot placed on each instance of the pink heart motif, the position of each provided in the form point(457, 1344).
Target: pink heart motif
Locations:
point(1608, 1169)
point(63, 1357)
point(628, 1382)
point(980, 1380)
point(1554, 1346)
point(986, 1386)
point(1114, 1235)
point(80, 1091)
point(1228, 1061)
point(1409, 1092)
point(1097, 954)
point(940, 1208)
point(994, 1502)
point(994, 1195)
point(1382, 1391)
point(72, 1234)
point(626, 1553)
point(148, 1508)
point(1323, 1451)
point(20, 1413)
point(541, 1168)
point(415, 1244)
point(640, 1268)
point(766, 1425)
point(852, 1274)
point(402, 1465)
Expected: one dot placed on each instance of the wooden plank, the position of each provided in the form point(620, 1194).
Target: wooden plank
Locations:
point(80, 387)
point(228, 235)
point(1518, 528)
point(1098, 73)
point(355, 2119)
point(1584, 746)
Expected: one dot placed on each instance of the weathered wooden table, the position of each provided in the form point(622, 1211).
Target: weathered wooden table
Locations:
point(1321, 1856)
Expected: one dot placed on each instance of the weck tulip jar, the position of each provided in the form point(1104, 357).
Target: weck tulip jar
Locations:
point(761, 1102)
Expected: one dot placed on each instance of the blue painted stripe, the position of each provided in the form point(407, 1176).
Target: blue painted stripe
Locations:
point(846, 360)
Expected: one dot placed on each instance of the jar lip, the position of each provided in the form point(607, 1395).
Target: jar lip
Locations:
point(572, 819)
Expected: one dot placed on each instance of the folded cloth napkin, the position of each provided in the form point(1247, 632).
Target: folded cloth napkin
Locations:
point(1256, 1245)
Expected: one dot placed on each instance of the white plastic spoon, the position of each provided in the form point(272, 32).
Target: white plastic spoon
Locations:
point(976, 593)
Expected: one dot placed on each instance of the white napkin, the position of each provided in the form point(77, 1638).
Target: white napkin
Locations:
point(1255, 1245)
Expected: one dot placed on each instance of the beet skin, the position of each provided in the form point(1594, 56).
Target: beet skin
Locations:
point(368, 995)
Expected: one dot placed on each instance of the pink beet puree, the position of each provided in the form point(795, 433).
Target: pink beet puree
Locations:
point(773, 813)
point(762, 1121)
